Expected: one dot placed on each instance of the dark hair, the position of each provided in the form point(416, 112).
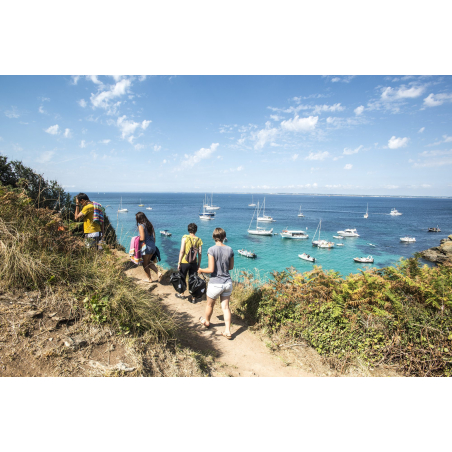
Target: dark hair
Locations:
point(142, 219)
point(219, 234)
point(82, 197)
point(192, 228)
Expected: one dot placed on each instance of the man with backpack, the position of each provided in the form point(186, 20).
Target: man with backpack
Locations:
point(92, 215)
point(189, 255)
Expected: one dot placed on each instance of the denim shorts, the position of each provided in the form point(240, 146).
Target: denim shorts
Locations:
point(215, 290)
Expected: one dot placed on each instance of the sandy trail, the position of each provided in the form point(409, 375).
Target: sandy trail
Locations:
point(245, 355)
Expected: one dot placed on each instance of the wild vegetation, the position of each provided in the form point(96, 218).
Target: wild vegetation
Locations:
point(396, 316)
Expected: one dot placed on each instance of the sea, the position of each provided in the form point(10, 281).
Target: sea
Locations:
point(174, 211)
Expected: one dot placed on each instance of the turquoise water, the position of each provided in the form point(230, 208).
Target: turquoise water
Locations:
point(174, 211)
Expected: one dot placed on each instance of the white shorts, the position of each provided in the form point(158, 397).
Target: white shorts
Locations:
point(215, 290)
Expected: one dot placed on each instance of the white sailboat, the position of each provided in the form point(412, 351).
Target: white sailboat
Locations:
point(140, 205)
point(204, 215)
point(258, 230)
point(252, 202)
point(366, 215)
point(265, 218)
point(299, 213)
point(211, 206)
point(120, 207)
point(321, 243)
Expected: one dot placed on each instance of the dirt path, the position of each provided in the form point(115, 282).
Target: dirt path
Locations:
point(245, 355)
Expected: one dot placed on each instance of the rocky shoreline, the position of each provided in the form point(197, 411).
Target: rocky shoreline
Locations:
point(441, 254)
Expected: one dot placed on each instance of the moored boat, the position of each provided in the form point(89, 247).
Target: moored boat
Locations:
point(259, 230)
point(407, 239)
point(395, 212)
point(348, 233)
point(247, 254)
point(364, 260)
point(437, 229)
point(287, 234)
point(306, 257)
point(165, 232)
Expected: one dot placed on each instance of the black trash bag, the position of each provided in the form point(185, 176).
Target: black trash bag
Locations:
point(178, 282)
point(197, 286)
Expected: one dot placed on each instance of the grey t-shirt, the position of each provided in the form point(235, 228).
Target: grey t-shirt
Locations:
point(222, 256)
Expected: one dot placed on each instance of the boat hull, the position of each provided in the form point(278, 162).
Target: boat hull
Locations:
point(260, 232)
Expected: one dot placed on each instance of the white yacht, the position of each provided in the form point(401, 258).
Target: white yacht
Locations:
point(259, 230)
point(407, 239)
point(366, 215)
point(299, 213)
point(286, 234)
point(211, 206)
point(364, 260)
point(325, 244)
point(120, 207)
point(321, 243)
point(252, 202)
point(306, 257)
point(348, 233)
point(265, 218)
point(204, 215)
point(395, 212)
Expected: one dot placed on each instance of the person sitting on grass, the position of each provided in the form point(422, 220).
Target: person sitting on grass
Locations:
point(147, 245)
point(188, 241)
point(221, 260)
point(93, 230)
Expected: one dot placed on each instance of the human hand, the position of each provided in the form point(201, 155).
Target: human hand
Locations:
point(199, 271)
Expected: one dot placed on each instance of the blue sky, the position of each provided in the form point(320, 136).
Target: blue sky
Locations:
point(297, 134)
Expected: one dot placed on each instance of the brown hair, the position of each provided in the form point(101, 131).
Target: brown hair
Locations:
point(142, 219)
point(219, 234)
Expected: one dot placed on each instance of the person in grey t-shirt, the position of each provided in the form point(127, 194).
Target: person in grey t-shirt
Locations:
point(221, 260)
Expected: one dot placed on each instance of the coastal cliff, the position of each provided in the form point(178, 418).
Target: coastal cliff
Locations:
point(441, 254)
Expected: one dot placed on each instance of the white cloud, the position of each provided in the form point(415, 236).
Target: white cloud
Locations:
point(157, 148)
point(434, 162)
point(12, 113)
point(348, 166)
point(45, 157)
point(434, 153)
point(264, 136)
point(240, 168)
point(82, 103)
point(294, 157)
point(343, 79)
point(164, 161)
point(203, 153)
point(421, 130)
point(138, 147)
point(391, 94)
point(317, 155)
point(94, 79)
point(41, 110)
point(103, 98)
point(145, 124)
point(83, 144)
point(359, 110)
point(130, 139)
point(395, 143)
point(53, 130)
point(104, 141)
point(67, 133)
point(142, 78)
point(434, 100)
point(75, 79)
point(298, 124)
point(348, 151)
point(321, 108)
point(391, 187)
point(276, 117)
point(44, 99)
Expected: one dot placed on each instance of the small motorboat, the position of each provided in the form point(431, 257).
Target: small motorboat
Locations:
point(247, 254)
point(371, 244)
point(395, 212)
point(306, 257)
point(338, 237)
point(407, 239)
point(339, 244)
point(437, 229)
point(148, 208)
point(364, 260)
point(325, 244)
point(165, 232)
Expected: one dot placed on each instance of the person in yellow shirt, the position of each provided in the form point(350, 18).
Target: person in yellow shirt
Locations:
point(93, 231)
point(189, 240)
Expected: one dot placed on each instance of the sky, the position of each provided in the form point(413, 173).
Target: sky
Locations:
point(345, 134)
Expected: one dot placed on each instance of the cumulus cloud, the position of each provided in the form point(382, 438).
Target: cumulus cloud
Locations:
point(138, 147)
point(348, 166)
point(298, 124)
point(348, 151)
point(45, 157)
point(53, 130)
point(145, 124)
point(103, 99)
point(322, 108)
point(391, 94)
point(104, 141)
point(359, 110)
point(294, 157)
point(157, 148)
point(276, 117)
point(83, 144)
point(421, 130)
point(75, 79)
point(82, 103)
point(263, 136)
point(142, 78)
point(128, 127)
point(41, 110)
point(240, 168)
point(94, 79)
point(202, 154)
point(343, 79)
point(395, 143)
point(317, 155)
point(434, 100)
point(67, 133)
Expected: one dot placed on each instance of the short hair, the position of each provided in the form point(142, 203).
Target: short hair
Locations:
point(192, 228)
point(219, 234)
point(82, 197)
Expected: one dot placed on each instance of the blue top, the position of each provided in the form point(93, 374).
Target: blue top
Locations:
point(149, 241)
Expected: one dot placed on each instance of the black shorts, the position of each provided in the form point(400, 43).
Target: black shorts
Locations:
point(190, 268)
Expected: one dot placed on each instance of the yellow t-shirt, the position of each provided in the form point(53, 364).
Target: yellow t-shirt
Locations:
point(88, 215)
point(189, 242)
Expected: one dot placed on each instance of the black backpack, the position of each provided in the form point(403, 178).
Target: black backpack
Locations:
point(197, 286)
point(178, 282)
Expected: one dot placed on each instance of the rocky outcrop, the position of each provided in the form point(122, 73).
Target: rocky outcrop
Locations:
point(441, 254)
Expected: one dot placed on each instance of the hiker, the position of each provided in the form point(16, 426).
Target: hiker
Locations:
point(147, 245)
point(221, 260)
point(189, 256)
point(93, 219)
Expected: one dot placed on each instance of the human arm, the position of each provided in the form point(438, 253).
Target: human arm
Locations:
point(211, 266)
point(181, 252)
point(231, 263)
point(142, 234)
point(78, 213)
point(199, 256)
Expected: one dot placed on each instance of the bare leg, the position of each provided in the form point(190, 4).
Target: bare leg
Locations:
point(226, 315)
point(209, 310)
point(154, 268)
point(146, 262)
